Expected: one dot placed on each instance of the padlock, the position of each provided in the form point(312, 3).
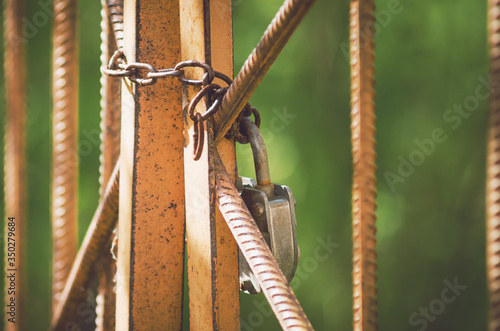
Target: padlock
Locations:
point(273, 208)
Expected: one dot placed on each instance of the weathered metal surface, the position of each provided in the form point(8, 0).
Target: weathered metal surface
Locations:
point(206, 35)
point(110, 104)
point(151, 218)
point(493, 171)
point(111, 30)
point(93, 246)
point(363, 149)
point(65, 143)
point(14, 153)
point(258, 63)
point(260, 259)
point(227, 293)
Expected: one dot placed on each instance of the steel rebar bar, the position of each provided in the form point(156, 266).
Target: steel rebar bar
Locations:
point(493, 170)
point(15, 160)
point(258, 255)
point(258, 63)
point(94, 243)
point(65, 143)
point(111, 33)
point(363, 151)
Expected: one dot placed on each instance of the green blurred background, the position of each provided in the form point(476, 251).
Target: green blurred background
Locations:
point(431, 228)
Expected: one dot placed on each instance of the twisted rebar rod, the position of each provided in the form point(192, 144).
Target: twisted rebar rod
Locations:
point(363, 150)
point(493, 170)
point(258, 63)
point(65, 143)
point(110, 99)
point(93, 246)
point(111, 16)
point(258, 255)
point(15, 112)
point(114, 10)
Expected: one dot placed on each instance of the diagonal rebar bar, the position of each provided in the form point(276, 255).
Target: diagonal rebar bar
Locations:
point(258, 255)
point(258, 63)
point(94, 243)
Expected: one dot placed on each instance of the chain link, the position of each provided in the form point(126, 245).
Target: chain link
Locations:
point(145, 74)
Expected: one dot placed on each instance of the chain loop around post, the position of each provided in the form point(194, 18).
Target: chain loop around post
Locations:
point(118, 67)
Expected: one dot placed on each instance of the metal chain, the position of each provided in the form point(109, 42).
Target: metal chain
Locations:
point(214, 93)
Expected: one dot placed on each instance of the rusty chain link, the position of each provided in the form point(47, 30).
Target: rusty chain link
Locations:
point(212, 92)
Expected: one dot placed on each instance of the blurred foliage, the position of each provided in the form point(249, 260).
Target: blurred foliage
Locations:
point(431, 225)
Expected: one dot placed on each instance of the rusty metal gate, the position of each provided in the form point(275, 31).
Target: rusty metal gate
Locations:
point(171, 114)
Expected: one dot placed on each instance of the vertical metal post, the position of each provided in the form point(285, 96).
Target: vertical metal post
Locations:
point(206, 35)
point(493, 171)
point(363, 151)
point(227, 292)
point(151, 214)
point(15, 111)
point(65, 143)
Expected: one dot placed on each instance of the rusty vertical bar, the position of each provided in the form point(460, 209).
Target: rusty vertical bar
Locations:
point(65, 140)
point(15, 161)
point(110, 151)
point(363, 149)
point(206, 35)
point(110, 104)
point(493, 170)
point(151, 214)
point(227, 293)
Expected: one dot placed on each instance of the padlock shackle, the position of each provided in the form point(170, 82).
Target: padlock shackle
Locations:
point(259, 152)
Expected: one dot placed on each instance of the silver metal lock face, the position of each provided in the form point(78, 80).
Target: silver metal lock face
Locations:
point(273, 208)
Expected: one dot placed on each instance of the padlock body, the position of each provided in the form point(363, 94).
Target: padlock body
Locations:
point(275, 218)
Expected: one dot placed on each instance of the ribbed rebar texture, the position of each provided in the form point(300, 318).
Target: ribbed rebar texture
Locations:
point(493, 170)
point(363, 150)
point(110, 100)
point(15, 169)
point(93, 246)
point(258, 255)
point(65, 143)
point(110, 151)
point(258, 63)
point(115, 12)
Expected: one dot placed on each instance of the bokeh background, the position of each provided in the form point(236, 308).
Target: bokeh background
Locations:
point(431, 55)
